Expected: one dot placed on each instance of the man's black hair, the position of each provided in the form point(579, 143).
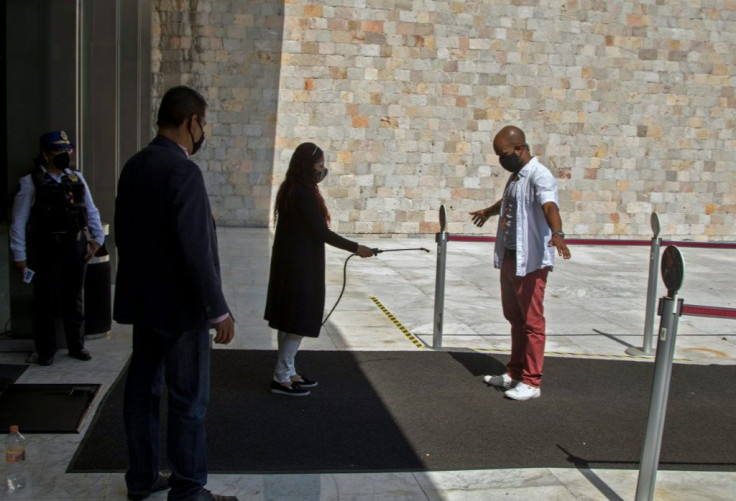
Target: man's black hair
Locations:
point(178, 104)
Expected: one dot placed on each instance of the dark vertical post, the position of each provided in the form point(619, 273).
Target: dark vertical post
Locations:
point(439, 283)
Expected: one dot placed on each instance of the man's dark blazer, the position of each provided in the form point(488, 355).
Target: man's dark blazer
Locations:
point(168, 266)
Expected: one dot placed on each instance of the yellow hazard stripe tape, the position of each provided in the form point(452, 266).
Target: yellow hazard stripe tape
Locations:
point(396, 322)
point(581, 355)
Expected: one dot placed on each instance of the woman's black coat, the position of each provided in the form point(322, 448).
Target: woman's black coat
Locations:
point(296, 285)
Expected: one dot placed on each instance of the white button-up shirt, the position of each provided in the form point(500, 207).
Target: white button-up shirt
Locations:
point(536, 186)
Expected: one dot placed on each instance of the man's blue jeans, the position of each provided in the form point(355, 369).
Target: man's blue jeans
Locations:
point(183, 360)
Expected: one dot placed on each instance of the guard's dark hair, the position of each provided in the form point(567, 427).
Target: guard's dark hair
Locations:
point(178, 104)
point(301, 172)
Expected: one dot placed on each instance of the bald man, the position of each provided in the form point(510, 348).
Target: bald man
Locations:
point(529, 233)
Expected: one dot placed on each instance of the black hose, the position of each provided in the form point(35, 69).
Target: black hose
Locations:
point(376, 251)
point(344, 281)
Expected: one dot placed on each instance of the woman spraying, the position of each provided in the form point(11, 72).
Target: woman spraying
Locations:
point(296, 286)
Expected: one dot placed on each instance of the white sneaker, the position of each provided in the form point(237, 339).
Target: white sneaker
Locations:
point(502, 381)
point(523, 392)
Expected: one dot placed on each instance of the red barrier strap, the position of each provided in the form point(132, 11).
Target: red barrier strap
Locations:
point(571, 241)
point(469, 238)
point(595, 241)
point(702, 245)
point(708, 311)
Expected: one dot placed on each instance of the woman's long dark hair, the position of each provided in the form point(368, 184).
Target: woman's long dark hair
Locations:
point(301, 173)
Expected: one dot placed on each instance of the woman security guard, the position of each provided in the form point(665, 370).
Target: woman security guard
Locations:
point(53, 211)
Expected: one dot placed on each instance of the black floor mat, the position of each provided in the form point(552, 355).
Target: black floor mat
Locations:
point(9, 373)
point(46, 408)
point(425, 410)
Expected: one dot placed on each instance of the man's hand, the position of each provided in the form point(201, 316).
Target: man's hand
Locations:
point(479, 217)
point(20, 266)
point(225, 330)
point(92, 247)
point(552, 216)
point(558, 241)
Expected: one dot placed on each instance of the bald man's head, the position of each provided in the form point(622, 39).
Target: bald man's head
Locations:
point(511, 148)
point(509, 135)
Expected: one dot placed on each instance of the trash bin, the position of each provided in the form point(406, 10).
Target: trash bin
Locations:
point(98, 294)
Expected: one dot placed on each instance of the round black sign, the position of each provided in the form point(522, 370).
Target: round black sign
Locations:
point(673, 270)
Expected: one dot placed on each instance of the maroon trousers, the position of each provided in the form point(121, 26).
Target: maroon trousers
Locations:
point(523, 306)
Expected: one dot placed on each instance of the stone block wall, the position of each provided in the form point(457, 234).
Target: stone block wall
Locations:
point(631, 104)
point(229, 50)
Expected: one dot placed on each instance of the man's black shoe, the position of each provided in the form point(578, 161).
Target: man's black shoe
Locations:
point(205, 495)
point(160, 484)
point(45, 361)
point(82, 354)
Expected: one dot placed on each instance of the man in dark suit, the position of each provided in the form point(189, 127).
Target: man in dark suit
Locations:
point(168, 286)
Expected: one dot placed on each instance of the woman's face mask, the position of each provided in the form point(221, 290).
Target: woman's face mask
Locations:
point(320, 171)
point(61, 161)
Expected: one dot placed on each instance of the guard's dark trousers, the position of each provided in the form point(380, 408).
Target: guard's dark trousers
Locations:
point(57, 289)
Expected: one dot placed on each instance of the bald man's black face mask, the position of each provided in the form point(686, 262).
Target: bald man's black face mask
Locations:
point(510, 162)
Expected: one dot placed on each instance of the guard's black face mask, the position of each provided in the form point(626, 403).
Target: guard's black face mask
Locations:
point(61, 161)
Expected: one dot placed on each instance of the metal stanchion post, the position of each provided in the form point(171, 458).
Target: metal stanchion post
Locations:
point(646, 349)
point(439, 283)
point(670, 310)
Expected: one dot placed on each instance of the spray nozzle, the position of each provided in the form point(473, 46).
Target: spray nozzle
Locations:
point(376, 250)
